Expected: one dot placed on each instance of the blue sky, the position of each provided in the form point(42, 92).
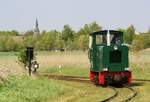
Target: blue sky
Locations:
point(53, 14)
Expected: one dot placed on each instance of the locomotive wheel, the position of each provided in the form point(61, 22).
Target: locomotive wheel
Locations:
point(126, 82)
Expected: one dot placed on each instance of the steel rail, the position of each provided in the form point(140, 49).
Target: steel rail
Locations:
point(132, 96)
point(112, 96)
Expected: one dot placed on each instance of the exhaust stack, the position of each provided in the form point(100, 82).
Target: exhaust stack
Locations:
point(108, 38)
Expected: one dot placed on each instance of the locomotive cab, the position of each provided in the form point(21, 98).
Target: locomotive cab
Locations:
point(108, 57)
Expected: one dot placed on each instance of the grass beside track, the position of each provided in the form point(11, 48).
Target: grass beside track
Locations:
point(67, 71)
point(25, 89)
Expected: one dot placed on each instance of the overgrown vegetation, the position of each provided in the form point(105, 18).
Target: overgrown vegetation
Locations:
point(33, 89)
point(67, 39)
point(26, 89)
point(22, 58)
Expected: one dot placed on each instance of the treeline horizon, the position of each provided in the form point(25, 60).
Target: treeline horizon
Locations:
point(67, 38)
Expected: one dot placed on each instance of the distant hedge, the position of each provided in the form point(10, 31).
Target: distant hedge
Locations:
point(67, 39)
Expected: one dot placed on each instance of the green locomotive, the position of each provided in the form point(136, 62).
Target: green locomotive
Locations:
point(108, 57)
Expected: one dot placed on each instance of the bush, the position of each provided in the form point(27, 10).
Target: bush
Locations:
point(22, 58)
point(141, 42)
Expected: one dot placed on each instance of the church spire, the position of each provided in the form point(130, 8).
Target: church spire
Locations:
point(36, 30)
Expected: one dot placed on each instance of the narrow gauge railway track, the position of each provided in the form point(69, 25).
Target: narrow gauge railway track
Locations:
point(144, 80)
point(47, 74)
point(111, 97)
point(85, 80)
point(134, 93)
point(65, 78)
point(78, 79)
point(132, 96)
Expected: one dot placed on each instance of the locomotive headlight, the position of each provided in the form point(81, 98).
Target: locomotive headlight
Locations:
point(115, 47)
point(105, 69)
point(36, 65)
point(127, 69)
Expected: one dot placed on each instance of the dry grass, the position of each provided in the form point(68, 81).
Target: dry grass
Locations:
point(9, 65)
point(140, 59)
point(78, 59)
point(139, 64)
point(67, 59)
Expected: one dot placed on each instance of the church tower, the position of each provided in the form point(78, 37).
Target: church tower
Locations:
point(36, 29)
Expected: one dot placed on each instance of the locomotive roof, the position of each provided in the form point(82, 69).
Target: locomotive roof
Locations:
point(104, 32)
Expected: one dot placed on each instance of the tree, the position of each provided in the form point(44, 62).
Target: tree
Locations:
point(10, 45)
point(148, 31)
point(67, 33)
point(28, 40)
point(47, 41)
point(29, 33)
point(83, 42)
point(15, 33)
point(129, 34)
point(22, 58)
point(9, 33)
point(83, 34)
point(89, 28)
point(94, 27)
point(59, 42)
point(2, 43)
point(139, 43)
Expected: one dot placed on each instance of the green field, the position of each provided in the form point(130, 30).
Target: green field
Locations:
point(18, 87)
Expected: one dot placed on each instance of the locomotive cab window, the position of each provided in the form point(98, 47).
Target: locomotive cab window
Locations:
point(100, 39)
point(115, 56)
point(115, 39)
